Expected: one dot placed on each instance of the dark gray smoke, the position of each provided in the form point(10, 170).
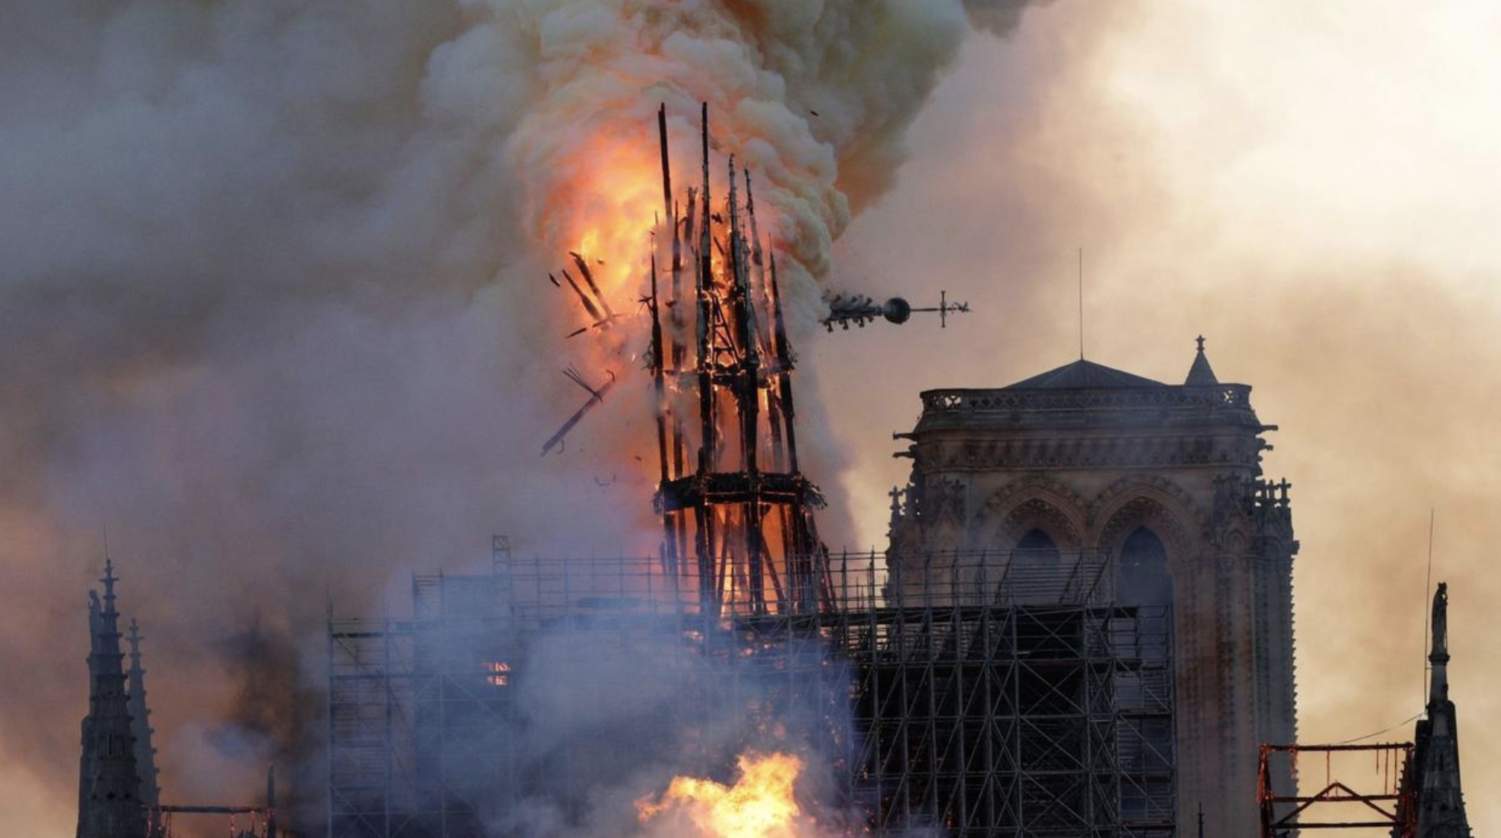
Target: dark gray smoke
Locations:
point(608, 716)
point(997, 16)
point(272, 308)
point(276, 714)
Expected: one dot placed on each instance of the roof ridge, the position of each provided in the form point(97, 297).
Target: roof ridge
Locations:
point(1083, 375)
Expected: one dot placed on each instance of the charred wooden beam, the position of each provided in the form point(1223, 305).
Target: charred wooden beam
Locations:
point(596, 397)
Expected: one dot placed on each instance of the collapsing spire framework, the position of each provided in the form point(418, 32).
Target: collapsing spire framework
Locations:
point(743, 503)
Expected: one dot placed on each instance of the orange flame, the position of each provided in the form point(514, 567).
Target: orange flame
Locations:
point(499, 673)
point(759, 805)
point(605, 208)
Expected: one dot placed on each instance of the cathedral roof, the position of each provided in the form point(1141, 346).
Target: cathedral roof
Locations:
point(1083, 375)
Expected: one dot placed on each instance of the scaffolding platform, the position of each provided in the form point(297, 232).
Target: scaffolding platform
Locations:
point(998, 695)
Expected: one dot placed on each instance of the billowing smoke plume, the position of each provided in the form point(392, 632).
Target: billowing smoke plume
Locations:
point(272, 305)
point(275, 714)
point(997, 16)
point(605, 716)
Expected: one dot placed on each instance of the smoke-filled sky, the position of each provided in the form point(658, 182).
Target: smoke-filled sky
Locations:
point(1314, 187)
point(273, 307)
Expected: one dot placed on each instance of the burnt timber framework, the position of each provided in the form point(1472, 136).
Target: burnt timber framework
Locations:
point(999, 693)
point(749, 505)
point(1024, 705)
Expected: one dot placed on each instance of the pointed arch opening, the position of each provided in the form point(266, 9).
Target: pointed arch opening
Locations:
point(1033, 569)
point(1036, 540)
point(1141, 575)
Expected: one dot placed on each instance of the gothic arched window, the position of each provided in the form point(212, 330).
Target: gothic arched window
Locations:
point(1032, 576)
point(1141, 571)
point(1036, 540)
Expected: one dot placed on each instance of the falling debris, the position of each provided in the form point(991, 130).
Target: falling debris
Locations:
point(601, 315)
point(596, 396)
point(584, 299)
point(583, 267)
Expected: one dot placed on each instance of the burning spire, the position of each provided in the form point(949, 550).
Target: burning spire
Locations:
point(754, 545)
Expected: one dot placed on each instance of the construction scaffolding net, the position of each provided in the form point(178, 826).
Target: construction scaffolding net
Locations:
point(994, 695)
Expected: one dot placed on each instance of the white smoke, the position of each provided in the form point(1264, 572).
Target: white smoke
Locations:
point(273, 302)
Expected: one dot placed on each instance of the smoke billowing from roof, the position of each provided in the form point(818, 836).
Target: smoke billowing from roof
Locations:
point(270, 303)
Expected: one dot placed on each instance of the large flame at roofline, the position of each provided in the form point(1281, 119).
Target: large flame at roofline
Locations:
point(735, 508)
point(812, 101)
point(607, 208)
point(760, 804)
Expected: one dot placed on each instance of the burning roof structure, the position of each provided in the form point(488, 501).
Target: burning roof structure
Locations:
point(1003, 671)
point(736, 509)
point(526, 699)
point(986, 698)
point(741, 499)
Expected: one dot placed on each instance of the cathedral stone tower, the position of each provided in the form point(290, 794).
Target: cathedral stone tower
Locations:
point(1164, 483)
point(1435, 764)
point(109, 804)
point(141, 729)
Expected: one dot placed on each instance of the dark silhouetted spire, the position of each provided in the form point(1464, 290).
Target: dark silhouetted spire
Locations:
point(140, 724)
point(271, 801)
point(1201, 374)
point(109, 805)
point(1438, 656)
point(1434, 781)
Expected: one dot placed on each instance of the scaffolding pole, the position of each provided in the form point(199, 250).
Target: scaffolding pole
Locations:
point(991, 695)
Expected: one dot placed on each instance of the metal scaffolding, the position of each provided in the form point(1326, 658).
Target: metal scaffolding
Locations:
point(1000, 695)
point(1392, 810)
